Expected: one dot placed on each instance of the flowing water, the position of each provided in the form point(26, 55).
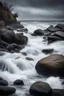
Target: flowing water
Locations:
point(15, 66)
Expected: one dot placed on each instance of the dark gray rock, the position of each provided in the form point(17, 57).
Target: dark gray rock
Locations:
point(28, 58)
point(8, 36)
point(3, 83)
point(17, 26)
point(5, 91)
point(2, 24)
point(52, 39)
point(39, 32)
point(57, 92)
point(1, 78)
point(59, 34)
point(61, 26)
point(48, 51)
point(10, 47)
point(18, 82)
point(24, 53)
point(14, 47)
point(23, 30)
point(40, 89)
point(21, 40)
point(53, 29)
point(16, 50)
point(3, 44)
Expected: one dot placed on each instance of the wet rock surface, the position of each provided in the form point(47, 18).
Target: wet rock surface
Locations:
point(44, 89)
point(3, 82)
point(5, 91)
point(52, 65)
point(48, 51)
point(40, 89)
point(18, 82)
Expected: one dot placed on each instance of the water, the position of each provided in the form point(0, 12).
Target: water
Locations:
point(15, 66)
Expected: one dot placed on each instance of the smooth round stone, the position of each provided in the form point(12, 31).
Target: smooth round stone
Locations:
point(5, 91)
point(40, 89)
point(18, 82)
point(3, 83)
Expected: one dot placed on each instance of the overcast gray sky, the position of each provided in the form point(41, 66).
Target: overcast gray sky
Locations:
point(39, 9)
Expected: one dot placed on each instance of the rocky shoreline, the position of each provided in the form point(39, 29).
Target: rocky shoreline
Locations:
point(10, 41)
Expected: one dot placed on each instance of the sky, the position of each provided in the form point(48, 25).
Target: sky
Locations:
point(38, 9)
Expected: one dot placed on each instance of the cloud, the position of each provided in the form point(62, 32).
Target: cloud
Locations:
point(38, 9)
point(33, 13)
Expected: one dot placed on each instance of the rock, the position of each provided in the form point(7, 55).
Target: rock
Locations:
point(22, 30)
point(61, 26)
point(14, 47)
point(2, 24)
point(59, 34)
point(17, 26)
point(52, 65)
point(63, 83)
point(3, 83)
point(1, 78)
point(3, 44)
point(57, 92)
point(24, 53)
point(40, 89)
point(33, 34)
point(8, 36)
point(10, 47)
point(9, 28)
point(16, 50)
point(48, 51)
point(53, 39)
point(5, 91)
point(3, 30)
point(21, 40)
point(47, 33)
point(53, 29)
point(3, 49)
point(39, 32)
point(28, 58)
point(19, 82)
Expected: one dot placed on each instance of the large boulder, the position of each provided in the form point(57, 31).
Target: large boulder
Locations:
point(40, 89)
point(8, 36)
point(6, 91)
point(52, 65)
point(59, 34)
point(57, 92)
point(21, 40)
point(53, 29)
point(61, 26)
point(52, 38)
